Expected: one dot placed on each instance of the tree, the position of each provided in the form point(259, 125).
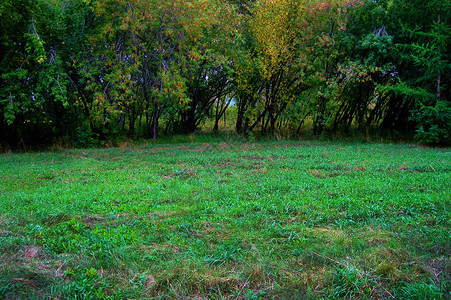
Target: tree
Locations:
point(365, 68)
point(34, 86)
point(293, 42)
point(424, 66)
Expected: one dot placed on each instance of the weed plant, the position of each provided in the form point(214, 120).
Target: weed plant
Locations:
point(227, 219)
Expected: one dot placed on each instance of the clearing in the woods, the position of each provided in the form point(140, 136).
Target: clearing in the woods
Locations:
point(227, 219)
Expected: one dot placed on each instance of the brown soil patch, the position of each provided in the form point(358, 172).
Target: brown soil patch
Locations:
point(31, 253)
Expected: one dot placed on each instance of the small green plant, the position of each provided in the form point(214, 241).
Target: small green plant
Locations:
point(66, 237)
point(434, 123)
point(6, 287)
point(251, 137)
point(84, 137)
point(86, 284)
point(229, 251)
point(140, 280)
point(420, 290)
point(251, 295)
point(350, 283)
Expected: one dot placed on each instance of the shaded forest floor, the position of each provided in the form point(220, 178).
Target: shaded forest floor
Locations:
point(227, 219)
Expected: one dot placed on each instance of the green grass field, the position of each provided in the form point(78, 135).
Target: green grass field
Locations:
point(227, 219)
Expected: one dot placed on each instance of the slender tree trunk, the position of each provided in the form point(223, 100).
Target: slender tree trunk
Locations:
point(147, 121)
point(131, 122)
point(123, 120)
point(319, 120)
point(239, 115)
point(217, 117)
point(155, 122)
point(299, 127)
point(140, 122)
point(256, 122)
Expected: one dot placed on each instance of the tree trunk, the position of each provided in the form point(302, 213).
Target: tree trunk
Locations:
point(239, 123)
point(131, 122)
point(155, 122)
point(319, 120)
point(241, 128)
point(140, 123)
point(272, 124)
point(299, 127)
point(191, 125)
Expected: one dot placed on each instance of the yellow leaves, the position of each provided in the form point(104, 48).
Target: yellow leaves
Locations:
point(279, 27)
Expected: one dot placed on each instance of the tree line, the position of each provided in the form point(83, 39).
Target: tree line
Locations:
point(87, 70)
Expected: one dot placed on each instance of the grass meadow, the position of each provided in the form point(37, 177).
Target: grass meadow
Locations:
point(227, 219)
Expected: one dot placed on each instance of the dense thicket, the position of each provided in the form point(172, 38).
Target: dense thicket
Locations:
point(86, 70)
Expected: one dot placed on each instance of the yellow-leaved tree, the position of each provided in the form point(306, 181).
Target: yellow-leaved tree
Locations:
point(293, 49)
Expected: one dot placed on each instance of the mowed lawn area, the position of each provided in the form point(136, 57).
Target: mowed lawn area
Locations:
point(227, 219)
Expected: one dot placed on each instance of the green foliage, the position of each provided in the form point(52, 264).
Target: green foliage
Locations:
point(84, 137)
point(86, 284)
point(229, 251)
point(151, 68)
point(434, 124)
point(425, 55)
point(420, 290)
point(349, 283)
point(66, 237)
